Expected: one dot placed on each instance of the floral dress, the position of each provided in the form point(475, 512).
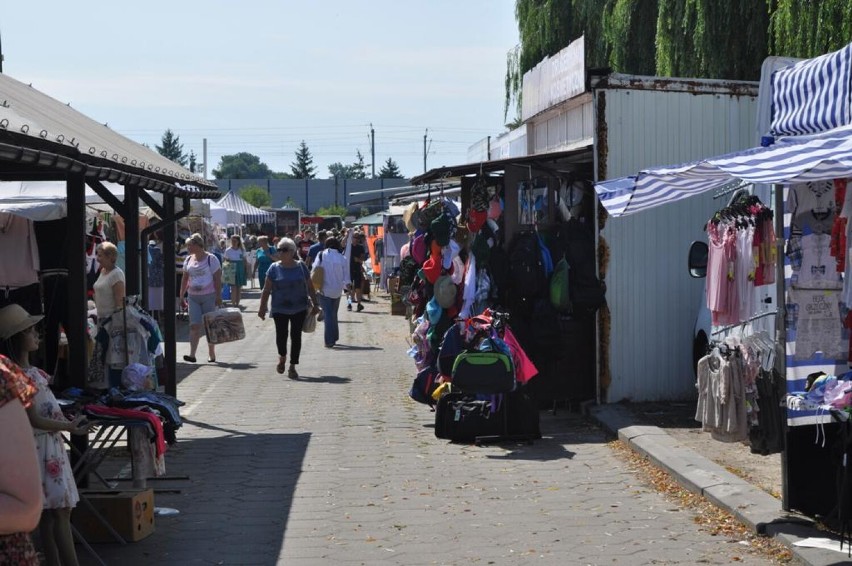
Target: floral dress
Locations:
point(57, 479)
point(16, 548)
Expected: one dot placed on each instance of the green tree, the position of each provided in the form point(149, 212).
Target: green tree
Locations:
point(630, 30)
point(358, 169)
point(303, 167)
point(193, 161)
point(691, 32)
point(809, 29)
point(255, 195)
point(545, 28)
point(340, 171)
point(590, 19)
point(333, 210)
point(242, 166)
point(171, 148)
point(390, 170)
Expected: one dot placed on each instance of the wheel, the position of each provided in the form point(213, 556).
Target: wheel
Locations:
point(699, 350)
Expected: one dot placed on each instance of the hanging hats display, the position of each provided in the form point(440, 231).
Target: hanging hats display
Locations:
point(445, 291)
point(432, 265)
point(441, 228)
point(434, 311)
point(418, 249)
point(411, 217)
point(476, 219)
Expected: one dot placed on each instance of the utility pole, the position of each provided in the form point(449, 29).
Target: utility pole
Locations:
point(1, 54)
point(204, 165)
point(424, 149)
point(373, 150)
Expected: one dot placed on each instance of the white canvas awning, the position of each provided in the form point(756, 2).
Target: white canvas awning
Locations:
point(44, 200)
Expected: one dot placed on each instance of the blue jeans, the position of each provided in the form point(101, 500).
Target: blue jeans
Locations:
point(329, 310)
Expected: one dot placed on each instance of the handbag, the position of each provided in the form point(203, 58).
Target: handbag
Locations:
point(310, 323)
point(229, 272)
point(318, 274)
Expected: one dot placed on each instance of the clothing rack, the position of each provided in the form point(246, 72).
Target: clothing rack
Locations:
point(746, 321)
point(730, 188)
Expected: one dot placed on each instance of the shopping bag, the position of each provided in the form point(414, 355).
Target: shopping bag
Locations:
point(310, 323)
point(317, 277)
point(224, 325)
point(229, 272)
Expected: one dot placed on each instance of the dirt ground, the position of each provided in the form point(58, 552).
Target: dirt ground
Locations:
point(677, 420)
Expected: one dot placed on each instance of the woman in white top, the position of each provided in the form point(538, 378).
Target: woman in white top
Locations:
point(109, 287)
point(202, 284)
point(236, 268)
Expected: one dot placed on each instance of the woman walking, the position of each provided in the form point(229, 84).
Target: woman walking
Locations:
point(288, 281)
point(236, 268)
point(335, 268)
point(202, 283)
point(265, 256)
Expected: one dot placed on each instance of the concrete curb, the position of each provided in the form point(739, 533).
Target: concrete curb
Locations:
point(751, 505)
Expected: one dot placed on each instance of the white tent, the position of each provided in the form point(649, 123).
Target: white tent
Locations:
point(221, 215)
point(44, 200)
point(247, 212)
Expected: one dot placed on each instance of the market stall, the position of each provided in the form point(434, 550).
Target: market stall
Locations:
point(42, 139)
point(807, 158)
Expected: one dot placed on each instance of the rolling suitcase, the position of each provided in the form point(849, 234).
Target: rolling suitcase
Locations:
point(462, 417)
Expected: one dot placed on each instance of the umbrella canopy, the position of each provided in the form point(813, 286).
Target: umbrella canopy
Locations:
point(799, 159)
point(248, 213)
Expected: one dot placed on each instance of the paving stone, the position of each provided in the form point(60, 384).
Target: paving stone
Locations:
point(341, 467)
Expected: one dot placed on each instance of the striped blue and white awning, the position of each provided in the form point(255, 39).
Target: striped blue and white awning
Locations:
point(248, 212)
point(827, 155)
point(814, 95)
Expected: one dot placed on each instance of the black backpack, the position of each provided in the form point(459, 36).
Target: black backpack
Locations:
point(575, 241)
point(526, 279)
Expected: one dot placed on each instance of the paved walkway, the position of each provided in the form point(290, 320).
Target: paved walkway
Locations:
point(341, 467)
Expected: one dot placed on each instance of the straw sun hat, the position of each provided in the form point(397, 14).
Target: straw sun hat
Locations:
point(14, 319)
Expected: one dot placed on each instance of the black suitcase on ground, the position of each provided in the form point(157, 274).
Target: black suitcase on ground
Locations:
point(523, 415)
point(461, 417)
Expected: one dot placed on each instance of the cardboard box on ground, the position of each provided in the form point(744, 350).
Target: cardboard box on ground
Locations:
point(130, 513)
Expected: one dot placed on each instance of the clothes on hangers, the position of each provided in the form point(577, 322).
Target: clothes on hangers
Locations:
point(19, 250)
point(721, 382)
point(741, 256)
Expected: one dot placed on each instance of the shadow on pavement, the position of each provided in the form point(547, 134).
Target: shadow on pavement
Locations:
point(242, 365)
point(340, 346)
point(542, 450)
point(233, 508)
point(324, 379)
point(206, 426)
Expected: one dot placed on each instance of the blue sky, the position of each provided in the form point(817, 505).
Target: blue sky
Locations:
point(261, 75)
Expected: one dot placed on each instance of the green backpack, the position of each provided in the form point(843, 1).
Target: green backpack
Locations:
point(560, 297)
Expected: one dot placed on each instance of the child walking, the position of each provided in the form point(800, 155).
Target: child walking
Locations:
point(19, 337)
